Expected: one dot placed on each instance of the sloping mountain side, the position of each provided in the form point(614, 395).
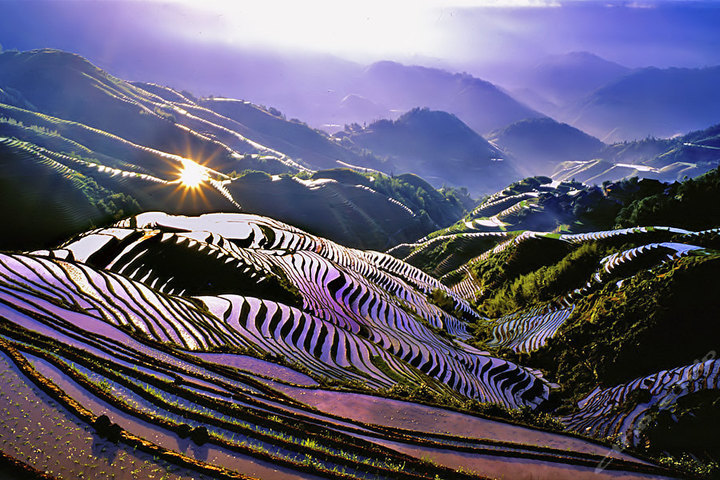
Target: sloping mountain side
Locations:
point(537, 203)
point(667, 160)
point(561, 80)
point(214, 346)
point(131, 147)
point(436, 145)
point(649, 102)
point(34, 187)
point(538, 145)
point(365, 94)
point(478, 103)
point(69, 87)
point(619, 316)
point(84, 190)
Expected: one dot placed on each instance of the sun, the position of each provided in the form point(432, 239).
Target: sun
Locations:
point(192, 175)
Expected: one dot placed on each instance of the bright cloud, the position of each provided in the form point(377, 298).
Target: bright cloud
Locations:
point(368, 28)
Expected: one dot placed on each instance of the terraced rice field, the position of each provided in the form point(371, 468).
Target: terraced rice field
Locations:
point(357, 307)
point(495, 206)
point(39, 431)
point(525, 331)
point(528, 330)
point(603, 413)
point(264, 433)
point(457, 248)
point(123, 339)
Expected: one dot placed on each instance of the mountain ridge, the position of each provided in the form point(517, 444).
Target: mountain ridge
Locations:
point(540, 144)
point(650, 102)
point(436, 145)
point(564, 79)
point(478, 103)
point(170, 130)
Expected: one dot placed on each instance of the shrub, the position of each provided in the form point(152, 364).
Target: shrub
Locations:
point(200, 435)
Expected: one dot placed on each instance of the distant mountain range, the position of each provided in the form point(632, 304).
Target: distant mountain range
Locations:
point(561, 80)
point(650, 102)
point(615, 103)
point(600, 97)
point(480, 104)
point(603, 98)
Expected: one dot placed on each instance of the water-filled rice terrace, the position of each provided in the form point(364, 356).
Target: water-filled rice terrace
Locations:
point(460, 255)
point(236, 346)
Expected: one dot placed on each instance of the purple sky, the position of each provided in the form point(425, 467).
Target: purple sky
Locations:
point(680, 33)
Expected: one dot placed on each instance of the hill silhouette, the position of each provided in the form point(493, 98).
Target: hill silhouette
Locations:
point(539, 144)
point(437, 146)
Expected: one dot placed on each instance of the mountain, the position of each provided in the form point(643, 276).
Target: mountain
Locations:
point(435, 145)
point(562, 80)
point(109, 148)
point(667, 160)
point(328, 93)
point(480, 104)
point(151, 324)
point(67, 86)
point(294, 138)
point(534, 204)
point(650, 102)
point(159, 117)
point(539, 144)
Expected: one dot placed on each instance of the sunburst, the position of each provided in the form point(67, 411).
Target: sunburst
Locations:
point(192, 175)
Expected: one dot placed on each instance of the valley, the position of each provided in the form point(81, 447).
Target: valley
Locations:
point(102, 333)
point(232, 345)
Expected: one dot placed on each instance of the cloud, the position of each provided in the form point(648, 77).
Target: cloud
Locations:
point(315, 5)
point(497, 4)
point(642, 5)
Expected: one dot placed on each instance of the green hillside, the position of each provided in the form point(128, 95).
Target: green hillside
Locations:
point(604, 290)
point(134, 140)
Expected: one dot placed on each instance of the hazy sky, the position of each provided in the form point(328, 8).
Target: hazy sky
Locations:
point(457, 32)
point(636, 33)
